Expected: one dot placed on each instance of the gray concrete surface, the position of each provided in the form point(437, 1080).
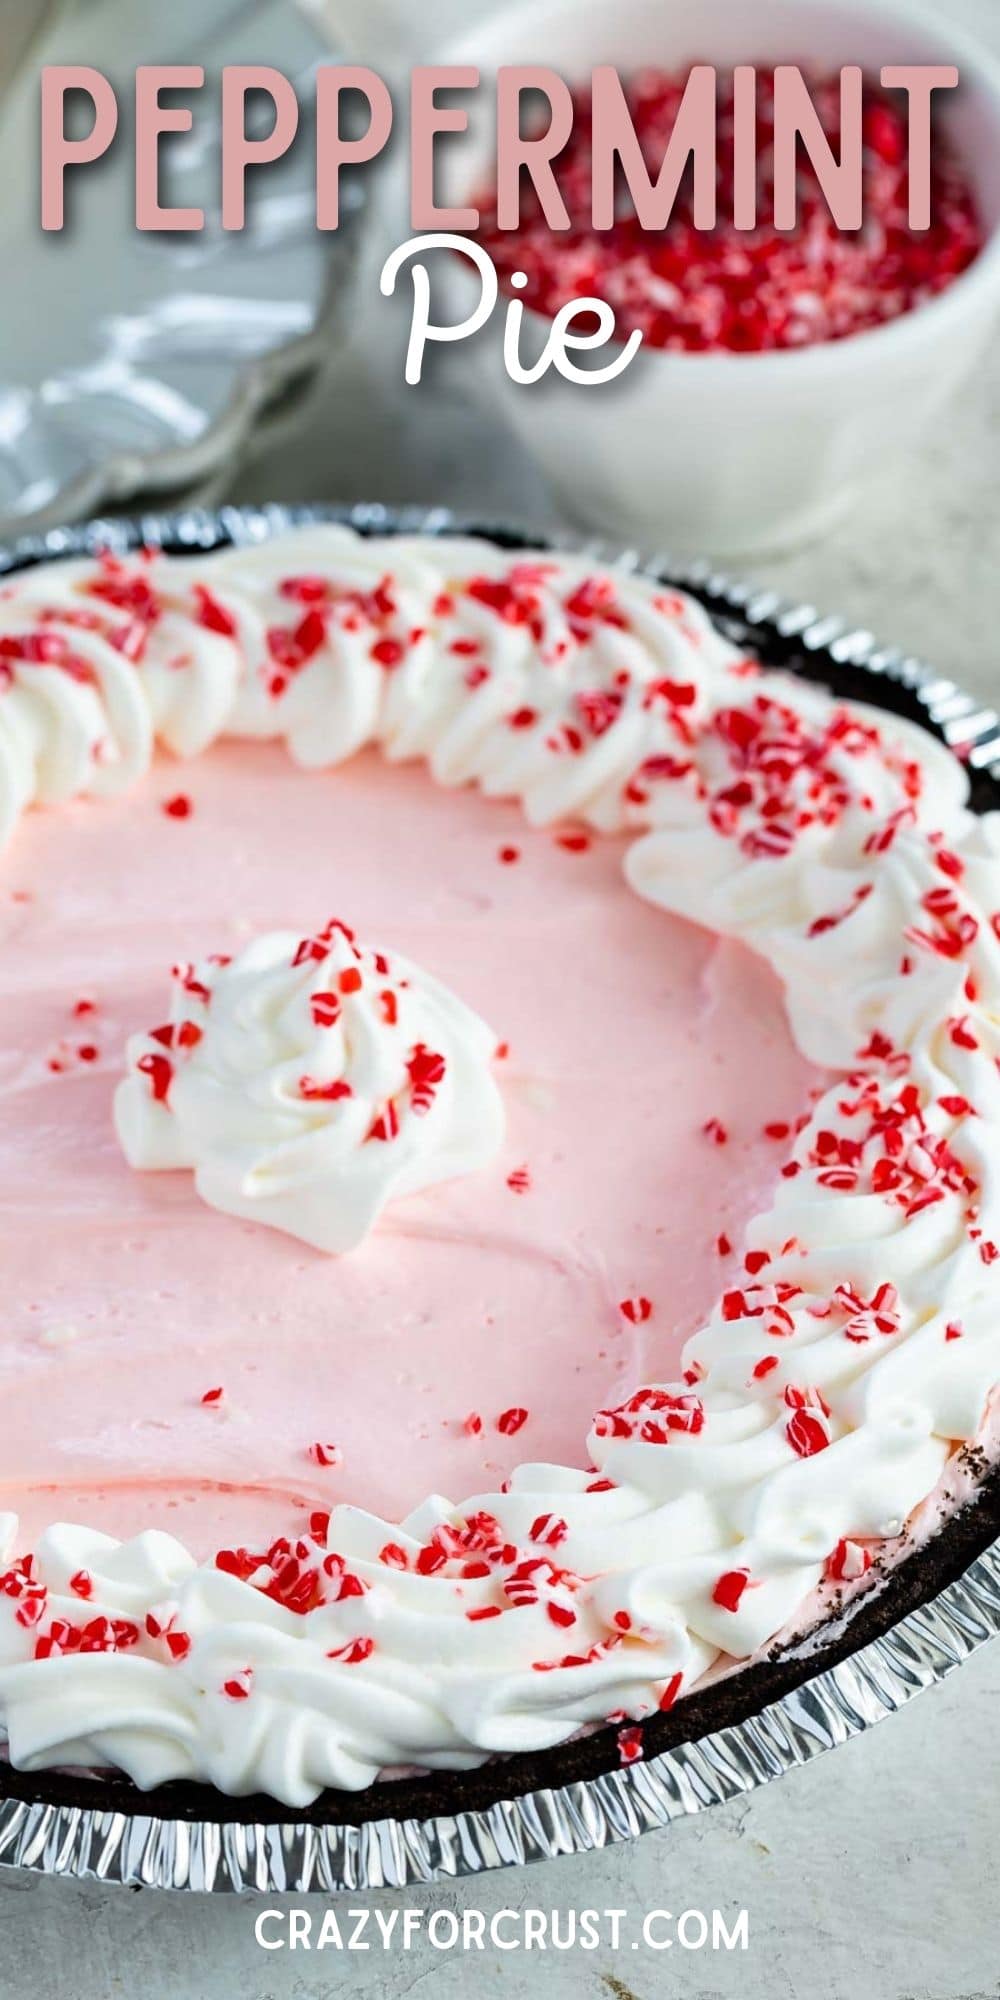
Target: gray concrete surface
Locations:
point(871, 1875)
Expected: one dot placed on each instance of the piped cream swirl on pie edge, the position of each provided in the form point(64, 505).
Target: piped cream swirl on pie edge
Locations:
point(823, 1400)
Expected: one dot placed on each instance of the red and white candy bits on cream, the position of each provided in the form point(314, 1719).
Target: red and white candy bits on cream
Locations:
point(72, 716)
point(299, 1629)
point(309, 1081)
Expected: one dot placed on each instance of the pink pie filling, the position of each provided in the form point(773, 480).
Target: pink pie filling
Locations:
point(126, 1300)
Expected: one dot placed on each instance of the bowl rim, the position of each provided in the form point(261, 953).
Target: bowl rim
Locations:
point(972, 288)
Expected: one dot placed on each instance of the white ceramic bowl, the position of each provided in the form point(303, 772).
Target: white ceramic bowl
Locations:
point(733, 454)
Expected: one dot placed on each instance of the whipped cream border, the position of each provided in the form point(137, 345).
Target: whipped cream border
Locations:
point(716, 1507)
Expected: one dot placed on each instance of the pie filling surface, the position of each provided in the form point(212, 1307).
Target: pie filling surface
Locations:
point(129, 1299)
point(693, 1307)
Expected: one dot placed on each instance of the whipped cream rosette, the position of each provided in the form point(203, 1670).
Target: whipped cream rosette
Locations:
point(308, 1081)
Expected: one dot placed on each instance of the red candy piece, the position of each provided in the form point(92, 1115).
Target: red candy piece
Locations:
point(511, 1421)
point(730, 1587)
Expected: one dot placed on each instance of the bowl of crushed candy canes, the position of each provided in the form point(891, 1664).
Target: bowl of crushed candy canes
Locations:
point(780, 371)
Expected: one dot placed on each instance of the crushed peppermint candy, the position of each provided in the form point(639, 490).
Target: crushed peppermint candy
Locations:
point(636, 1310)
point(847, 1562)
point(729, 1589)
point(326, 1454)
point(739, 291)
point(629, 1746)
point(511, 1421)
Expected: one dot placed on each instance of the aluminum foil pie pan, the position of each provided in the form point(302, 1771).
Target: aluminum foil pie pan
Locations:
point(924, 1616)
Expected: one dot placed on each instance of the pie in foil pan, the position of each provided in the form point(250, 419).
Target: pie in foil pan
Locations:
point(926, 1614)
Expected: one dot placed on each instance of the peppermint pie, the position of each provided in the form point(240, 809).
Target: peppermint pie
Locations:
point(496, 1176)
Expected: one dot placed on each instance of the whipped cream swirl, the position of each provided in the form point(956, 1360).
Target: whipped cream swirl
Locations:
point(73, 720)
point(308, 1082)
